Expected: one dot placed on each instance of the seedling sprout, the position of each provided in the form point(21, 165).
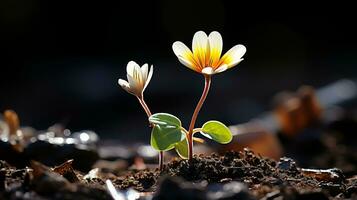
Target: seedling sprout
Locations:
point(205, 58)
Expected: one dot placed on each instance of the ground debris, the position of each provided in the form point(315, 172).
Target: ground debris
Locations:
point(327, 175)
point(265, 178)
point(235, 174)
point(67, 171)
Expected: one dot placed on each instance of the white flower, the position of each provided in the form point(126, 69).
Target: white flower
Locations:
point(138, 78)
point(205, 56)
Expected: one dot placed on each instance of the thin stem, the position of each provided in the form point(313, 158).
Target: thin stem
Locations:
point(195, 114)
point(199, 140)
point(161, 160)
point(184, 130)
point(195, 130)
point(144, 105)
point(148, 113)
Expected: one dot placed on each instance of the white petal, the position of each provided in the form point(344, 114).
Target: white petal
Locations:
point(130, 67)
point(187, 63)
point(123, 83)
point(184, 54)
point(149, 77)
point(200, 48)
point(234, 55)
point(208, 70)
point(180, 49)
point(200, 40)
point(134, 70)
point(144, 71)
point(135, 87)
point(216, 45)
point(234, 63)
point(222, 68)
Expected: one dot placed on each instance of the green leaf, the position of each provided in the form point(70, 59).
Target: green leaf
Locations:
point(165, 119)
point(217, 131)
point(182, 148)
point(164, 138)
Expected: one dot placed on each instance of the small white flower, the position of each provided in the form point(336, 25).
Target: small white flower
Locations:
point(138, 78)
point(205, 56)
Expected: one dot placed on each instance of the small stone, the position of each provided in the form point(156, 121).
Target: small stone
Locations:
point(229, 191)
point(287, 164)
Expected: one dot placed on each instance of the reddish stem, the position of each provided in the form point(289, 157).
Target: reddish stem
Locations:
point(148, 113)
point(143, 104)
point(195, 114)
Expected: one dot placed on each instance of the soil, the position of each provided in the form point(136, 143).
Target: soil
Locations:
point(242, 175)
point(234, 175)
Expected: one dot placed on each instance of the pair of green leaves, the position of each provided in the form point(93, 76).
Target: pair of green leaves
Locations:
point(168, 133)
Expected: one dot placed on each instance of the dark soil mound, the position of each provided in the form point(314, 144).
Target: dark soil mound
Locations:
point(263, 177)
point(236, 175)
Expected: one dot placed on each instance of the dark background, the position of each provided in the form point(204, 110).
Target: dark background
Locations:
point(60, 60)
